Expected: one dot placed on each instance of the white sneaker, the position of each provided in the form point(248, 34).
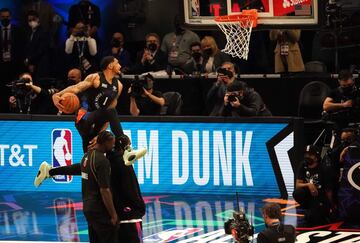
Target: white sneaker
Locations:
point(42, 174)
point(131, 155)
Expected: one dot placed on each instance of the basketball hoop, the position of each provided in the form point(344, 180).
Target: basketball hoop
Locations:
point(237, 29)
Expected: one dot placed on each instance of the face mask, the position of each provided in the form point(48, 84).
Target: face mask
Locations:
point(208, 52)
point(347, 90)
point(178, 28)
point(71, 81)
point(196, 56)
point(5, 22)
point(346, 142)
point(152, 47)
point(116, 43)
point(33, 24)
point(309, 161)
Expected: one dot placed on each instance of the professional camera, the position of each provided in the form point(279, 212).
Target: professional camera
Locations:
point(82, 32)
point(240, 223)
point(233, 98)
point(137, 88)
point(225, 72)
point(138, 85)
point(18, 87)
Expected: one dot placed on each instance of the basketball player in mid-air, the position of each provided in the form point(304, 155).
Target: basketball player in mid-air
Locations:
point(99, 92)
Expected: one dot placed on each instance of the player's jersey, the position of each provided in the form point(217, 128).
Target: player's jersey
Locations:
point(102, 96)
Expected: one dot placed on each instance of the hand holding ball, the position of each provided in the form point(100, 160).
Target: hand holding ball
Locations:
point(70, 102)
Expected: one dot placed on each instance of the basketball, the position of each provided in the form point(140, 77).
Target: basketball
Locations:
point(71, 103)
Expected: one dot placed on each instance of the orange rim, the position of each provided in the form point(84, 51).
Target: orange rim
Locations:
point(251, 14)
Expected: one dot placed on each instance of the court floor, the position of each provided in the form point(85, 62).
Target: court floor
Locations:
point(57, 217)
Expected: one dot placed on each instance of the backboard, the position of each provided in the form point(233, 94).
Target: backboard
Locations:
point(272, 13)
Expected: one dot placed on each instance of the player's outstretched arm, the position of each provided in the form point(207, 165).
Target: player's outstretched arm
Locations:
point(90, 81)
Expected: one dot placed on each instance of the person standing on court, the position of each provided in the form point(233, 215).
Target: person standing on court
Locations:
point(98, 206)
point(275, 231)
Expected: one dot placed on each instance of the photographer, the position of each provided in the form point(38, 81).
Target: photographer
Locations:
point(332, 160)
point(239, 227)
point(215, 96)
point(29, 98)
point(81, 49)
point(314, 188)
point(143, 99)
point(240, 101)
point(275, 231)
point(343, 104)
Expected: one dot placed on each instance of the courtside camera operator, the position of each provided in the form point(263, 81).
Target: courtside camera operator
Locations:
point(215, 96)
point(144, 100)
point(28, 98)
point(242, 101)
point(239, 227)
point(275, 231)
point(343, 103)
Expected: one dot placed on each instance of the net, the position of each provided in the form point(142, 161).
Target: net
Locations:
point(237, 29)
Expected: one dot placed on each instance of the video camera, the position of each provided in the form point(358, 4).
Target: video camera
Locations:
point(137, 88)
point(225, 72)
point(240, 223)
point(138, 85)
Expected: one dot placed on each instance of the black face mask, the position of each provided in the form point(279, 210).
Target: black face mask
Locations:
point(5, 22)
point(115, 43)
point(71, 81)
point(347, 90)
point(196, 56)
point(208, 52)
point(152, 47)
point(179, 29)
point(346, 142)
point(309, 161)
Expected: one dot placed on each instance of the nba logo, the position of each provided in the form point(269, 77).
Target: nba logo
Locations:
point(61, 152)
point(67, 228)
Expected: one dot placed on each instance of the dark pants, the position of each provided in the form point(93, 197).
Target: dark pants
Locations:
point(74, 169)
point(317, 208)
point(130, 233)
point(92, 122)
point(100, 229)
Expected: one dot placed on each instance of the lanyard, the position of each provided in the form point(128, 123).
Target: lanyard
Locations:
point(80, 49)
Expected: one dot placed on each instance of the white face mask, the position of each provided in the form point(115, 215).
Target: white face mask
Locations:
point(33, 24)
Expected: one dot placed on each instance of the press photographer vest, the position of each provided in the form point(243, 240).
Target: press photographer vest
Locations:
point(102, 96)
